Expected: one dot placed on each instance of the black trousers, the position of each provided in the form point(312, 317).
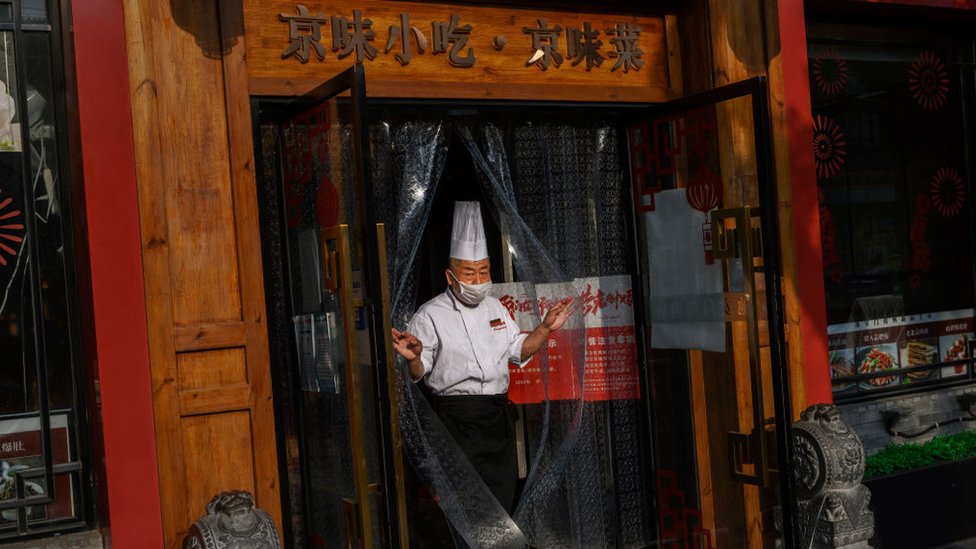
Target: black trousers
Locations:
point(483, 427)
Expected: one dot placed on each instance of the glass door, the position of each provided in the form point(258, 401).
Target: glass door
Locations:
point(705, 204)
point(333, 265)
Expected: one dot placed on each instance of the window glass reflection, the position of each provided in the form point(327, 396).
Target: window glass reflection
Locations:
point(33, 12)
point(893, 183)
point(10, 139)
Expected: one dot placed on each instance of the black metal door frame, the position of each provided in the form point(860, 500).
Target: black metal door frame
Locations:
point(757, 89)
point(353, 79)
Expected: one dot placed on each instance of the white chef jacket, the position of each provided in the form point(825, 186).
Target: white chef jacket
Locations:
point(467, 349)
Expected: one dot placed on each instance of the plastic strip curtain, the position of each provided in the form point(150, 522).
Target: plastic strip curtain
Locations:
point(408, 158)
point(563, 500)
point(549, 507)
point(589, 483)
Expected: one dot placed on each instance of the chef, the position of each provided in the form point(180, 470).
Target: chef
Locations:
point(462, 342)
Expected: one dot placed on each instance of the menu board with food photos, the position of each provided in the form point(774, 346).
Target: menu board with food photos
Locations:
point(898, 343)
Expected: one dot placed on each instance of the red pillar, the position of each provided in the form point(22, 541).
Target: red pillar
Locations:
point(806, 206)
point(117, 299)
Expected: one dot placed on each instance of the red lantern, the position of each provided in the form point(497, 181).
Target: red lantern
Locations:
point(704, 193)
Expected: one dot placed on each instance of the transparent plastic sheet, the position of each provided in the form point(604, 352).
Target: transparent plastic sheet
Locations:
point(547, 509)
point(575, 494)
point(408, 159)
point(571, 191)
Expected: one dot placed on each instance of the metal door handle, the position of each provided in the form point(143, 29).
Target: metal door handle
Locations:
point(337, 254)
point(391, 385)
point(744, 243)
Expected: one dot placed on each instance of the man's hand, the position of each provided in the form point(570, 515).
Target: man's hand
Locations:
point(554, 320)
point(410, 348)
point(407, 344)
point(557, 316)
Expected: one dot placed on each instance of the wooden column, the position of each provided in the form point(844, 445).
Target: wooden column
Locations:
point(201, 256)
point(722, 42)
point(793, 138)
point(726, 41)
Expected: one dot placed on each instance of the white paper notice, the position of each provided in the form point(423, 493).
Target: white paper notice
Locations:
point(687, 300)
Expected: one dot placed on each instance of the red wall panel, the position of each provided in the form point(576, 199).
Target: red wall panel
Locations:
point(114, 253)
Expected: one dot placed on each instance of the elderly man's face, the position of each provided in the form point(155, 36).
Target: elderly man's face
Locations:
point(469, 272)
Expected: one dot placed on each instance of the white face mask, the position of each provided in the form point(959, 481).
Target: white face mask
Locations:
point(471, 294)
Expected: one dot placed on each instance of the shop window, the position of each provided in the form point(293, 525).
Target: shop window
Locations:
point(895, 185)
point(43, 486)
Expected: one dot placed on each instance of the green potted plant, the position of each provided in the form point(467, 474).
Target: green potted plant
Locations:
point(924, 494)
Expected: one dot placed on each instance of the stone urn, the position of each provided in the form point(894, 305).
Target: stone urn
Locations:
point(233, 522)
point(828, 466)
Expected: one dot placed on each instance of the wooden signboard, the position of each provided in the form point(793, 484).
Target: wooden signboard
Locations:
point(413, 49)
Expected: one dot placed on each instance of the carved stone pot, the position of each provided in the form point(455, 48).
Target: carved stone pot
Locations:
point(828, 466)
point(232, 522)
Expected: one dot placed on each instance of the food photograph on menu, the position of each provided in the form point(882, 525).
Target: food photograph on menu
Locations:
point(920, 352)
point(875, 359)
point(842, 366)
point(954, 347)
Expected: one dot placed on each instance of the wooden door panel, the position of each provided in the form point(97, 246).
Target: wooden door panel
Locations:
point(209, 335)
point(212, 382)
point(719, 385)
point(201, 258)
point(210, 369)
point(199, 202)
point(217, 456)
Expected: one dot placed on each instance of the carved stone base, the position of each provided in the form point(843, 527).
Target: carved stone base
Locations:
point(828, 465)
point(232, 522)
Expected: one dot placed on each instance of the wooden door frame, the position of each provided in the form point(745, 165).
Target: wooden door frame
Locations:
point(757, 89)
point(201, 257)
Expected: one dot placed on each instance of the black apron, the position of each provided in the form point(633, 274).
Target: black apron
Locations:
point(483, 428)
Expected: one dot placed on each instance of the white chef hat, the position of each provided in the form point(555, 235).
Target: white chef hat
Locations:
point(468, 234)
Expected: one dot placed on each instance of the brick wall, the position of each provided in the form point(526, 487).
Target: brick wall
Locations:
point(925, 409)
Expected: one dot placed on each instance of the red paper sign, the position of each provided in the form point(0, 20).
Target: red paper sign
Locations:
point(611, 340)
point(20, 448)
point(309, 189)
point(605, 344)
point(527, 385)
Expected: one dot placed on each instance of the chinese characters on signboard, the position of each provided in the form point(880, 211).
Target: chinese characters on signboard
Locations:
point(547, 45)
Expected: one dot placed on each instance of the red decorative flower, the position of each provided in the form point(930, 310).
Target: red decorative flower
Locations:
point(11, 231)
point(828, 240)
point(829, 147)
point(921, 260)
point(948, 192)
point(830, 72)
point(928, 81)
point(704, 190)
